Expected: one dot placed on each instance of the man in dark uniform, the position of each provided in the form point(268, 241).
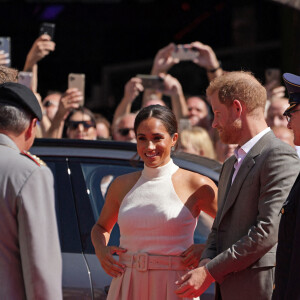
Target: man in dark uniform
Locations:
point(30, 257)
point(287, 272)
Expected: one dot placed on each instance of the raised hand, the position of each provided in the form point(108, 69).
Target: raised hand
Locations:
point(40, 48)
point(163, 60)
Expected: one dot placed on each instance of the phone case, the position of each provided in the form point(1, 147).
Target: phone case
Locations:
point(183, 53)
point(5, 46)
point(47, 28)
point(151, 82)
point(77, 81)
point(273, 75)
point(25, 78)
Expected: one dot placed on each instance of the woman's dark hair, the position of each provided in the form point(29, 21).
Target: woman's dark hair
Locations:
point(162, 113)
point(84, 111)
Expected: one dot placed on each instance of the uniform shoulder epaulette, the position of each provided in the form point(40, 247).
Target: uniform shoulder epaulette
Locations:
point(36, 159)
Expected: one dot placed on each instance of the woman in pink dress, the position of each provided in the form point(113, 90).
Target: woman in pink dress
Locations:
point(157, 211)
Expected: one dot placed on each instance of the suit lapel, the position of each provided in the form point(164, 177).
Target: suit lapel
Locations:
point(247, 165)
point(225, 181)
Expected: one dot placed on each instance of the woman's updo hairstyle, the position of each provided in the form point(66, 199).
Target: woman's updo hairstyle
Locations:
point(162, 113)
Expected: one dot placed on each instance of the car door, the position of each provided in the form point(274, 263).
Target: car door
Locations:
point(97, 174)
point(76, 280)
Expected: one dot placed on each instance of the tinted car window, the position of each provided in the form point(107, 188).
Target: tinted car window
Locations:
point(64, 205)
point(98, 178)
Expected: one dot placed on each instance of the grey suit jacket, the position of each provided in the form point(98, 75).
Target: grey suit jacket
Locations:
point(30, 257)
point(242, 243)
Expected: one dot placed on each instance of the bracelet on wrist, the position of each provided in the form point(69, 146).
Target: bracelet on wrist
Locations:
point(215, 69)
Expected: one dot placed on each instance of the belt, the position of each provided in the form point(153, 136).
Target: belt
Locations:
point(144, 261)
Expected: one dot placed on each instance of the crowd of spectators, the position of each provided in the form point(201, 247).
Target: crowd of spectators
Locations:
point(64, 117)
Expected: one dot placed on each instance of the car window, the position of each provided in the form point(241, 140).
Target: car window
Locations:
point(64, 205)
point(98, 177)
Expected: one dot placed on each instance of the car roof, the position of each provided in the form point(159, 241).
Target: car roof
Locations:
point(119, 150)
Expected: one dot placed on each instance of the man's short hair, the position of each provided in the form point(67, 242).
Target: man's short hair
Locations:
point(239, 85)
point(8, 74)
point(13, 119)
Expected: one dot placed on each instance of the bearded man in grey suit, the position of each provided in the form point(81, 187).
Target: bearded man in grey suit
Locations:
point(254, 183)
point(30, 257)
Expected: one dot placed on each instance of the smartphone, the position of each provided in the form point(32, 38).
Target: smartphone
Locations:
point(25, 78)
point(77, 81)
point(184, 53)
point(273, 75)
point(47, 28)
point(152, 82)
point(5, 47)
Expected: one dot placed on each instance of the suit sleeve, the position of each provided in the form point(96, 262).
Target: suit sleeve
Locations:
point(38, 236)
point(210, 250)
point(276, 176)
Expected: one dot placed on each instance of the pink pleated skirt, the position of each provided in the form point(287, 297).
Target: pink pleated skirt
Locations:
point(139, 282)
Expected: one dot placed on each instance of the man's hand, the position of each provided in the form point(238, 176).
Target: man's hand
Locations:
point(194, 283)
point(192, 255)
point(207, 58)
point(274, 91)
point(132, 89)
point(163, 60)
point(171, 85)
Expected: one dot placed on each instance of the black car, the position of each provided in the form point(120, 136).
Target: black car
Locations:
point(82, 172)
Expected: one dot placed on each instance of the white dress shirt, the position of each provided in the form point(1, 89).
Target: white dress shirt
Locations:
point(241, 151)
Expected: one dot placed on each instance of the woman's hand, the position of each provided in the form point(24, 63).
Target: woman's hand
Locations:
point(41, 47)
point(111, 266)
point(192, 255)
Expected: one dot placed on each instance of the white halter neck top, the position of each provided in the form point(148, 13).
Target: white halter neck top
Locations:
point(152, 218)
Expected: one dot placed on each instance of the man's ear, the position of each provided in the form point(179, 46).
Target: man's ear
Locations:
point(30, 131)
point(237, 107)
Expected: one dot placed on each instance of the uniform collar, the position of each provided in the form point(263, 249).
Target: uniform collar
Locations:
point(7, 141)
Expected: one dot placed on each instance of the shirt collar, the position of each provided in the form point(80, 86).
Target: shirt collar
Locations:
point(248, 146)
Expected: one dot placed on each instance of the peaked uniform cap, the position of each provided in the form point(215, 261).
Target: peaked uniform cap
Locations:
point(292, 83)
point(21, 96)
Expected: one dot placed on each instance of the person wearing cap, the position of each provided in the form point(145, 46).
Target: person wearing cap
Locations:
point(287, 271)
point(30, 257)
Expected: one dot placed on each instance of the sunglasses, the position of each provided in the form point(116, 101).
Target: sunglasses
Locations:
point(289, 114)
point(49, 103)
point(86, 124)
point(125, 131)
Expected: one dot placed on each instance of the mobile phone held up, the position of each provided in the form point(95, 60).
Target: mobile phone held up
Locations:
point(273, 75)
point(77, 81)
point(5, 49)
point(151, 82)
point(25, 78)
point(47, 28)
point(184, 53)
